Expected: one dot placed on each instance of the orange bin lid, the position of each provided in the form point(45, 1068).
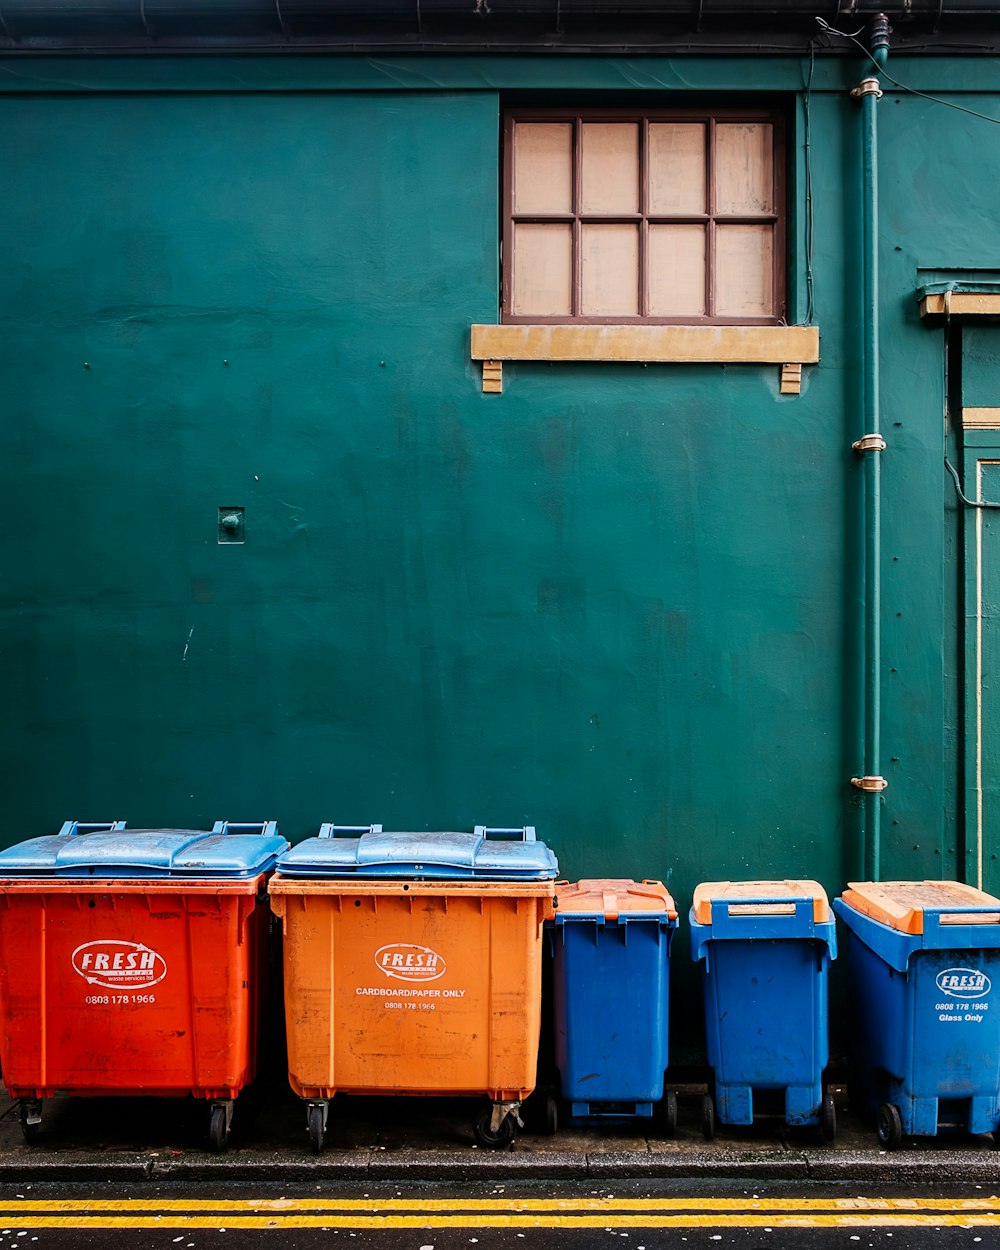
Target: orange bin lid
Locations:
point(613, 897)
point(900, 904)
point(775, 892)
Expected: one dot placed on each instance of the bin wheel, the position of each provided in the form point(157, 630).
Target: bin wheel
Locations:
point(316, 1128)
point(484, 1134)
point(218, 1129)
point(828, 1118)
point(665, 1112)
point(889, 1126)
point(708, 1116)
point(30, 1132)
point(551, 1122)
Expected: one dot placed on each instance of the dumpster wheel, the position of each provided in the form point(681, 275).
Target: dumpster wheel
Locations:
point(494, 1138)
point(708, 1116)
point(828, 1118)
point(219, 1125)
point(316, 1115)
point(889, 1126)
point(665, 1114)
point(31, 1120)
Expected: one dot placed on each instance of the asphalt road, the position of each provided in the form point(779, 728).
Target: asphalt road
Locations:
point(639, 1215)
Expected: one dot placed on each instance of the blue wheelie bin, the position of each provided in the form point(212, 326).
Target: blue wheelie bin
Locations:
point(766, 948)
point(923, 958)
point(611, 947)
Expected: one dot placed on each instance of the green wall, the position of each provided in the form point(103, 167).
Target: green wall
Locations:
point(618, 602)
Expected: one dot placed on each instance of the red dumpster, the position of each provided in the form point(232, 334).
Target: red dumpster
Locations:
point(132, 962)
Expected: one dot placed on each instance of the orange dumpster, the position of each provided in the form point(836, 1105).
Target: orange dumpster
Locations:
point(132, 963)
point(413, 966)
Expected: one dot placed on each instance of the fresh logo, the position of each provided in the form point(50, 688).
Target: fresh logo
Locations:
point(406, 962)
point(964, 983)
point(118, 965)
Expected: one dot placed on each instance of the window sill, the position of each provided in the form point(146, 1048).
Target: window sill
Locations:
point(960, 304)
point(788, 346)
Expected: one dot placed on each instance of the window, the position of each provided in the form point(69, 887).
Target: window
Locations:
point(671, 217)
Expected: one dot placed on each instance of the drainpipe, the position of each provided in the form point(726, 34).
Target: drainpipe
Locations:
point(870, 447)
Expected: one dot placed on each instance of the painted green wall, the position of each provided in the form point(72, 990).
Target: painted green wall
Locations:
point(620, 603)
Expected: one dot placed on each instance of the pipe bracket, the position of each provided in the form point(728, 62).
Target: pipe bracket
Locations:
point(870, 442)
point(867, 86)
point(870, 785)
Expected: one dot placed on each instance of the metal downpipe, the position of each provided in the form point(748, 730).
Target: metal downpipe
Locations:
point(870, 447)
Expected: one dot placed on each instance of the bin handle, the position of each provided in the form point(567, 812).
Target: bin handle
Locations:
point(798, 908)
point(981, 909)
point(787, 901)
point(944, 915)
point(525, 834)
point(73, 828)
point(267, 828)
point(331, 830)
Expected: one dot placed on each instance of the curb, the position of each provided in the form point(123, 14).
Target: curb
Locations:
point(868, 1167)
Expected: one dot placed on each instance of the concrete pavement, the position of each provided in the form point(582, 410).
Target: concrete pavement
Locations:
point(431, 1138)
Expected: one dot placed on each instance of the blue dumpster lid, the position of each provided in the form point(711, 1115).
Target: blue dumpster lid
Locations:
point(483, 855)
point(114, 851)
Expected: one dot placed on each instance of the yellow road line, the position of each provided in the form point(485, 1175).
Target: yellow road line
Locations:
point(498, 1205)
point(843, 1219)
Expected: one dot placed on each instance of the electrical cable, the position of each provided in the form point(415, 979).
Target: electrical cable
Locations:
point(810, 220)
point(981, 504)
point(825, 26)
point(969, 503)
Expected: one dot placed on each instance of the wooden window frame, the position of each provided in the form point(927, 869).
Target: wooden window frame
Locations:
point(643, 117)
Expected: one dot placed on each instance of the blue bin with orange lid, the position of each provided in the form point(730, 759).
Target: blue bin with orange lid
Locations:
point(765, 948)
point(923, 964)
point(611, 942)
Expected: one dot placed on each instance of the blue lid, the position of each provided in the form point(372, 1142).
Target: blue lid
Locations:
point(112, 851)
point(484, 855)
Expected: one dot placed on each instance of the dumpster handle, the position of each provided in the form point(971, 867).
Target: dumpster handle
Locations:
point(936, 915)
point(526, 833)
point(802, 911)
point(798, 923)
point(981, 909)
point(72, 828)
point(331, 830)
point(268, 828)
point(763, 900)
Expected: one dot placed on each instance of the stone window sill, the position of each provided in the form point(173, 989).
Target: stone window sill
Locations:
point(788, 346)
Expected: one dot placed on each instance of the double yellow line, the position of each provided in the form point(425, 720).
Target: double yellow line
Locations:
point(504, 1213)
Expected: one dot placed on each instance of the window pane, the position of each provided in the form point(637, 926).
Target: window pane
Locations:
point(610, 167)
point(543, 167)
point(610, 271)
point(744, 284)
point(543, 270)
point(676, 168)
point(676, 271)
point(744, 167)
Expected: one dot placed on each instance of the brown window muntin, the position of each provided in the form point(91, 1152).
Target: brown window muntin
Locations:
point(576, 219)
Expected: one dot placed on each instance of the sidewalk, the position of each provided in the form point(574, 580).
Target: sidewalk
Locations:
point(431, 1139)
